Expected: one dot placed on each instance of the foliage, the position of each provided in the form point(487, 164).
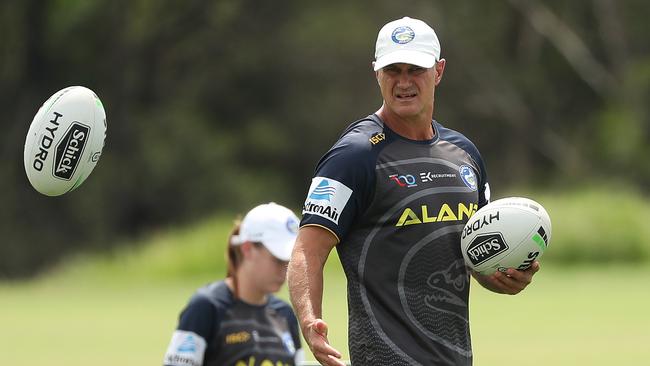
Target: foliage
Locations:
point(598, 225)
point(213, 106)
point(591, 226)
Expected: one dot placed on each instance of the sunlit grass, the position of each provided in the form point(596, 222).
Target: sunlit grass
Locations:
point(121, 308)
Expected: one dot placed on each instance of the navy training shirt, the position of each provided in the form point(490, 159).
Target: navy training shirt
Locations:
point(397, 207)
point(215, 329)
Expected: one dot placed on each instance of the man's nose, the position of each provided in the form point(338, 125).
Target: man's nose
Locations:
point(404, 79)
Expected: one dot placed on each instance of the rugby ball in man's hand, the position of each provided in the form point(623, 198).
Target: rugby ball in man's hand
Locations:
point(507, 233)
point(65, 141)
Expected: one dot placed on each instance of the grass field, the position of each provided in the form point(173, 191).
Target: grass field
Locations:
point(120, 308)
point(589, 316)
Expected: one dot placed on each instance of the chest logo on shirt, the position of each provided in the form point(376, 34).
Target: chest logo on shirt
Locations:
point(468, 177)
point(326, 198)
point(410, 180)
point(424, 215)
point(239, 337)
point(407, 180)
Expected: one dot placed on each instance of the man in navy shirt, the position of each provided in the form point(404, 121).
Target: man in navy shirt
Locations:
point(393, 195)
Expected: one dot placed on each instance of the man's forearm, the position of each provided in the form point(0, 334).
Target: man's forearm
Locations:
point(305, 280)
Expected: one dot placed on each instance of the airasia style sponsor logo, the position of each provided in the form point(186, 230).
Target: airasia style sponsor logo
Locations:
point(69, 150)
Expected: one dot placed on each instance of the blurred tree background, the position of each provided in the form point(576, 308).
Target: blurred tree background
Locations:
point(213, 106)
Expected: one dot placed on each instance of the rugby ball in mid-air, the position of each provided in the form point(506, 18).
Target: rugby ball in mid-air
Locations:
point(65, 141)
point(507, 233)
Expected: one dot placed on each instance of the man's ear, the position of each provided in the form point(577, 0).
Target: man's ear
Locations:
point(440, 69)
point(376, 72)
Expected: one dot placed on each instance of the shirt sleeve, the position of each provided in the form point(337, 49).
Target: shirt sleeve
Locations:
point(189, 341)
point(483, 185)
point(343, 184)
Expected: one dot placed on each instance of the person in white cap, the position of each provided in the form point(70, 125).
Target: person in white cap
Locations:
point(237, 321)
point(392, 195)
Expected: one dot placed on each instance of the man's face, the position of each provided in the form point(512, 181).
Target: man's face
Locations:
point(408, 90)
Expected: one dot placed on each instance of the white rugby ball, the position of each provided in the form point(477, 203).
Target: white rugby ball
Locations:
point(65, 141)
point(507, 233)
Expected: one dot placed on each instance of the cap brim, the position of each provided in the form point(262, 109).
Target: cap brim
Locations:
point(281, 250)
point(407, 57)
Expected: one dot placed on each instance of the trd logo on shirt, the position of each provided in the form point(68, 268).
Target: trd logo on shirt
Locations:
point(239, 337)
point(407, 180)
point(484, 247)
point(444, 213)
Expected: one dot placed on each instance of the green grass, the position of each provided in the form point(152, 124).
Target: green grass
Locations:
point(569, 316)
point(591, 316)
point(121, 308)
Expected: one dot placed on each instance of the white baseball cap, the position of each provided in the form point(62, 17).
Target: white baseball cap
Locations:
point(409, 41)
point(273, 225)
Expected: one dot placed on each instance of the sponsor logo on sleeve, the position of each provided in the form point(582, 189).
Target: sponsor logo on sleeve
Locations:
point(326, 198)
point(185, 349)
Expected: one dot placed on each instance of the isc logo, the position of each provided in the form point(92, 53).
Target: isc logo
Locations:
point(484, 247)
point(377, 138)
point(69, 150)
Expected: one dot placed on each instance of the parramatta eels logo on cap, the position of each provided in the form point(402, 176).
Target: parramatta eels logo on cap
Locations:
point(402, 35)
point(323, 191)
point(292, 225)
point(468, 176)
